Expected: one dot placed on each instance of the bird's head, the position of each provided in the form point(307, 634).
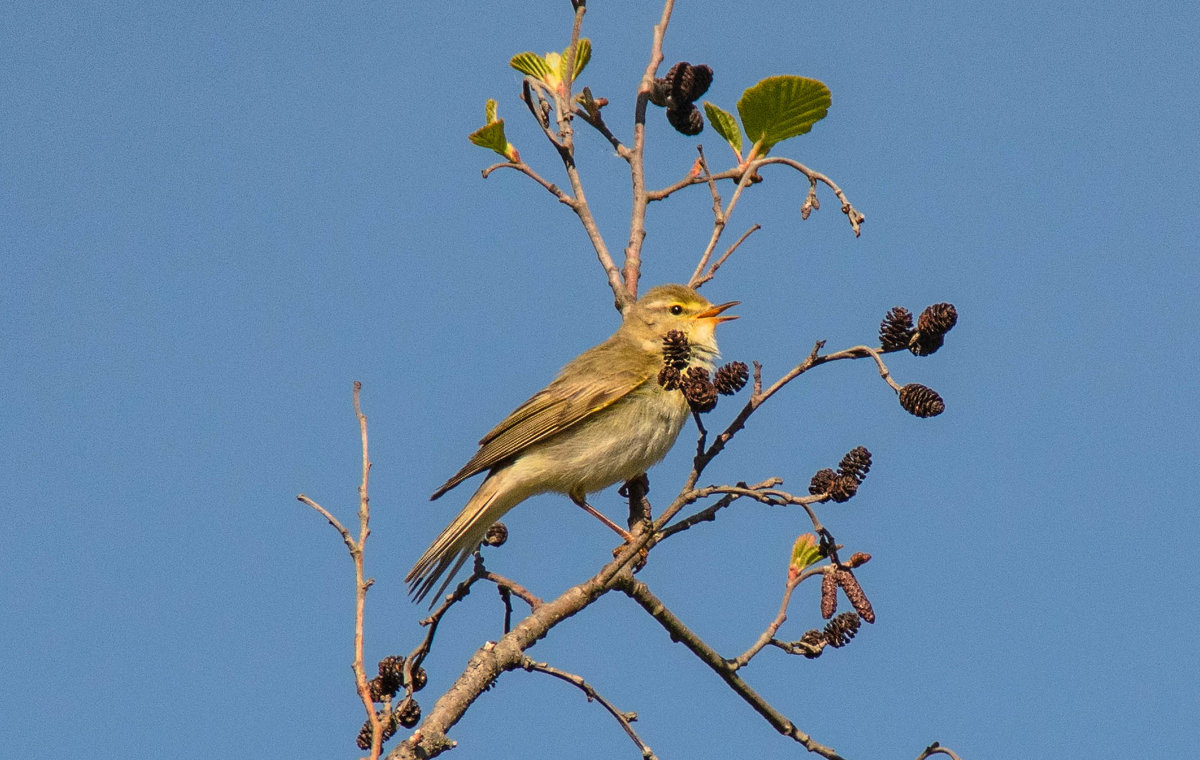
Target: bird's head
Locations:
point(676, 307)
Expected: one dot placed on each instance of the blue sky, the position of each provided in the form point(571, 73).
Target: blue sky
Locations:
point(215, 217)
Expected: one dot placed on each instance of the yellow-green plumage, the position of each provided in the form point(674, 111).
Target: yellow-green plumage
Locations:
point(603, 420)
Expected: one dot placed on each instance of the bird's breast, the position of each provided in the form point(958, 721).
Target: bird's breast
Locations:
point(613, 445)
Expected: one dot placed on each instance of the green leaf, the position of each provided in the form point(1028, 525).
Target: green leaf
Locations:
point(491, 137)
point(583, 54)
point(804, 552)
point(781, 107)
point(725, 125)
point(532, 64)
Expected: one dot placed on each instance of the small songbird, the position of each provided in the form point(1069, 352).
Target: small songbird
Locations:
point(604, 419)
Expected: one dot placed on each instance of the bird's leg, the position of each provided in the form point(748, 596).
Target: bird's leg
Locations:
point(581, 502)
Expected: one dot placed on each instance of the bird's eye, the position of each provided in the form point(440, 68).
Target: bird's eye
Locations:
point(676, 309)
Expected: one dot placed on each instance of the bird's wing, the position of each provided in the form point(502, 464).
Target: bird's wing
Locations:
point(550, 411)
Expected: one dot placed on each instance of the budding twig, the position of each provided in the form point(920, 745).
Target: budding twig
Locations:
point(767, 635)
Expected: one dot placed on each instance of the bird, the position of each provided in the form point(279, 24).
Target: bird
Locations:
point(604, 419)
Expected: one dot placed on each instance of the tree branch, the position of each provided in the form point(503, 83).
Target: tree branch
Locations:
point(637, 169)
point(768, 635)
point(624, 718)
point(361, 583)
point(641, 594)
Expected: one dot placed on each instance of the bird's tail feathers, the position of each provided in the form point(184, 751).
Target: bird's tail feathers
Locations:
point(458, 541)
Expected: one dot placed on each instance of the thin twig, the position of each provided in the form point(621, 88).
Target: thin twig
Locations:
point(632, 271)
point(852, 214)
point(624, 718)
point(688, 181)
point(332, 521)
point(516, 588)
point(728, 252)
point(597, 122)
point(720, 220)
point(708, 514)
point(768, 635)
point(936, 749)
point(855, 217)
point(417, 656)
point(361, 583)
point(528, 86)
point(640, 593)
point(760, 396)
point(563, 106)
point(528, 171)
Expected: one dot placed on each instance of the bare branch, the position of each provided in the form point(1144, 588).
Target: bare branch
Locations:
point(597, 122)
point(417, 656)
point(337, 525)
point(852, 214)
point(564, 144)
point(688, 181)
point(508, 586)
point(528, 171)
point(540, 111)
point(624, 718)
point(768, 635)
point(632, 271)
point(937, 749)
point(720, 219)
point(361, 583)
point(640, 593)
point(728, 252)
point(708, 514)
point(760, 396)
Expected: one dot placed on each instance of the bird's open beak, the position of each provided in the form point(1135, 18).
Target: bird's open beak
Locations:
point(714, 312)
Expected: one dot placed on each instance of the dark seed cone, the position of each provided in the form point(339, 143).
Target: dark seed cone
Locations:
point(408, 714)
point(676, 351)
point(390, 679)
point(811, 644)
point(856, 463)
point(843, 488)
point(839, 631)
point(731, 378)
point(659, 92)
point(829, 587)
point(932, 326)
point(925, 345)
point(822, 481)
point(687, 82)
point(420, 678)
point(921, 401)
point(699, 390)
point(855, 594)
point(937, 319)
point(686, 119)
point(375, 687)
point(896, 330)
point(496, 535)
point(669, 378)
point(364, 734)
